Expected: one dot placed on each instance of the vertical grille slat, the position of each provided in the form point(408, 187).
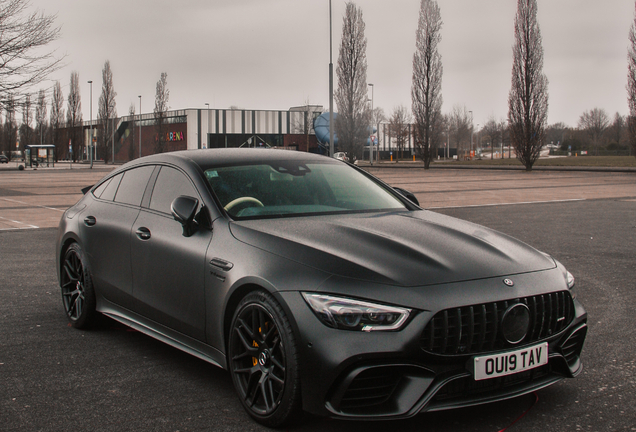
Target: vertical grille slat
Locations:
point(459, 327)
point(431, 335)
point(542, 318)
point(471, 327)
point(532, 304)
point(495, 325)
point(444, 332)
point(551, 317)
point(476, 328)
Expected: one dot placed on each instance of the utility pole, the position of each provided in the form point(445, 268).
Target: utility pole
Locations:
point(371, 131)
point(471, 135)
point(331, 145)
point(90, 139)
point(139, 125)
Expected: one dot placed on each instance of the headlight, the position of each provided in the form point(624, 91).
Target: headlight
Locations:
point(350, 314)
point(570, 280)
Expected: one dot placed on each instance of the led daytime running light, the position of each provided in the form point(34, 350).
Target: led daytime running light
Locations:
point(350, 314)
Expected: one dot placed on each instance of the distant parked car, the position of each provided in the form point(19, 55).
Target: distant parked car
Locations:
point(341, 156)
point(4, 159)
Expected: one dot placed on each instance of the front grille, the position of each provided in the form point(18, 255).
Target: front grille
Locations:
point(476, 329)
point(371, 387)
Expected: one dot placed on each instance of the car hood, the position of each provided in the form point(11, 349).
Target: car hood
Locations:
point(399, 248)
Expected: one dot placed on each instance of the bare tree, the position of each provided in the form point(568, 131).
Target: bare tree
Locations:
point(26, 129)
point(10, 129)
point(3, 144)
point(617, 130)
point(556, 133)
point(459, 124)
point(378, 116)
point(426, 89)
point(528, 98)
point(40, 114)
point(491, 134)
point(107, 110)
point(595, 123)
point(57, 120)
point(23, 59)
point(74, 117)
point(161, 107)
point(399, 127)
point(131, 128)
point(305, 124)
point(351, 96)
point(631, 86)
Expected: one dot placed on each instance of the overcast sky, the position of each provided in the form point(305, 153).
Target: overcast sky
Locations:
point(274, 54)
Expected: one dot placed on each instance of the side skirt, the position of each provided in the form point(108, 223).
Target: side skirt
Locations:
point(164, 334)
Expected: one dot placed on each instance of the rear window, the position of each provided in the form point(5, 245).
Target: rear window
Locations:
point(108, 189)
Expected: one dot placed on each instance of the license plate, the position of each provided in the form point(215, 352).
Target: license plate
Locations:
point(511, 362)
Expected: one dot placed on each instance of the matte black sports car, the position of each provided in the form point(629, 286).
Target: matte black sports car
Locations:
point(319, 287)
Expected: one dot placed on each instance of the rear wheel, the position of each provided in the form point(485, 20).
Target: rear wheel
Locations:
point(78, 295)
point(263, 361)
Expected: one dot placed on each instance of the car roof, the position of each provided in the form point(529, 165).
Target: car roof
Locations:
point(232, 156)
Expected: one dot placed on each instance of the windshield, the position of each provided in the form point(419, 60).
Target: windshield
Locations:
point(291, 188)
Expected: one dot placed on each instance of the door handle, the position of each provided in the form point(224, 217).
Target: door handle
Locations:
point(143, 233)
point(222, 264)
point(90, 220)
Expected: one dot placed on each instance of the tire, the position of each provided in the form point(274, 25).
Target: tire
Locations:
point(263, 361)
point(78, 295)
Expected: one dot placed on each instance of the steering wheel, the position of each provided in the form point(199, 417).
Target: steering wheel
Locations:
point(242, 200)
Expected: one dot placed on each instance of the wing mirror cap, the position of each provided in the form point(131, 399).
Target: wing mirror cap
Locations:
point(184, 209)
point(407, 194)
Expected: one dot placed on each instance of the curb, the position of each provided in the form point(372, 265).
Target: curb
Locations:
point(411, 165)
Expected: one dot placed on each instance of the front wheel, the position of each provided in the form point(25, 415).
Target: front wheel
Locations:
point(78, 295)
point(263, 361)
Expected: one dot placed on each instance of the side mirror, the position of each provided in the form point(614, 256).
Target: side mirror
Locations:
point(408, 195)
point(184, 209)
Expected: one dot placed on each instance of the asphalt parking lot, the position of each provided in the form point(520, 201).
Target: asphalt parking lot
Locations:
point(55, 378)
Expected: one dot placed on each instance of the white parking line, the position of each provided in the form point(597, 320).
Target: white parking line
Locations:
point(26, 226)
point(32, 205)
point(503, 204)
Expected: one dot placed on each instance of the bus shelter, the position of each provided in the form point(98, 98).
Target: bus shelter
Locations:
point(39, 155)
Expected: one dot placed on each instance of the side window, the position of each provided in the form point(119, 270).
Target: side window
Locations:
point(100, 189)
point(133, 184)
point(170, 184)
point(111, 188)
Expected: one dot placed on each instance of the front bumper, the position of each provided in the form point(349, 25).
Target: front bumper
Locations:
point(387, 375)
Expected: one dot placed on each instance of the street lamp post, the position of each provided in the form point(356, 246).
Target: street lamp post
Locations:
point(447, 155)
point(139, 125)
point(478, 140)
point(112, 137)
point(471, 133)
point(331, 145)
point(90, 139)
point(207, 122)
point(371, 131)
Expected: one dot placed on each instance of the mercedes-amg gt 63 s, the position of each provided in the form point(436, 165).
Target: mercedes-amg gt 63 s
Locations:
point(319, 288)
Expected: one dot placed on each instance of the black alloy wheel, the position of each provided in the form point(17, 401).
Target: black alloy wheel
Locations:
point(77, 288)
point(263, 361)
